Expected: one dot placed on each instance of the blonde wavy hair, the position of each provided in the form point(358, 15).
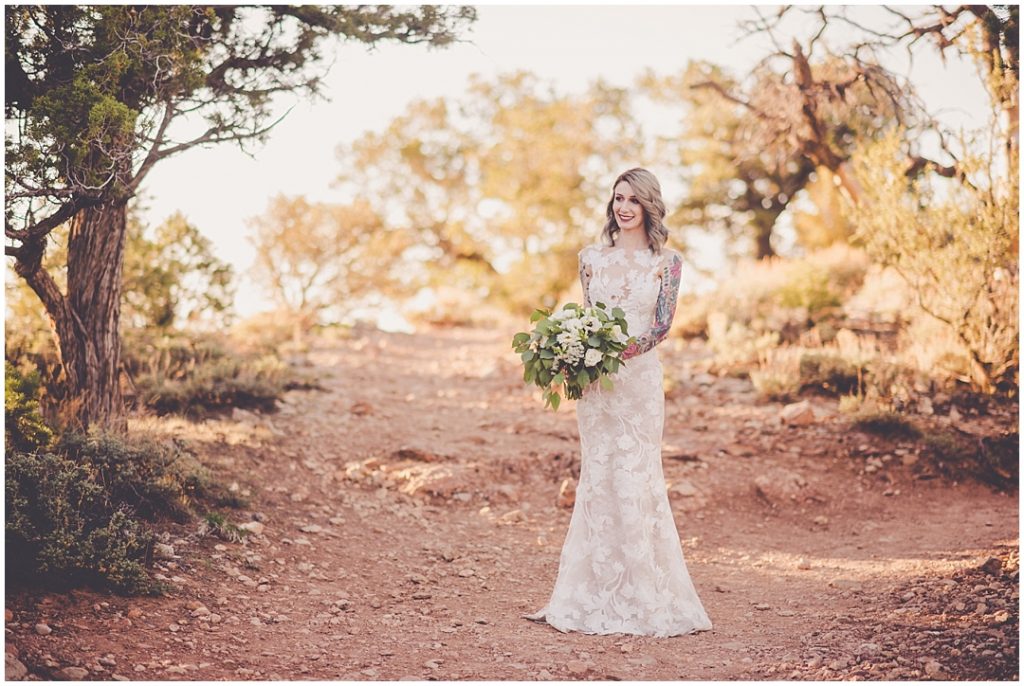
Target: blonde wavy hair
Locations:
point(648, 192)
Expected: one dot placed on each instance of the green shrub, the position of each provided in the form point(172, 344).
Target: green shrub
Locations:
point(75, 513)
point(777, 376)
point(61, 529)
point(199, 374)
point(828, 373)
point(807, 286)
point(155, 479)
point(24, 428)
point(887, 424)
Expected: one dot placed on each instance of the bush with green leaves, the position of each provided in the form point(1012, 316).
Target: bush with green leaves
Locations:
point(76, 504)
point(61, 529)
point(24, 428)
point(955, 244)
point(195, 375)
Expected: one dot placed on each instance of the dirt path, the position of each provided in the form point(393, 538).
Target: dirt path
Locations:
point(409, 517)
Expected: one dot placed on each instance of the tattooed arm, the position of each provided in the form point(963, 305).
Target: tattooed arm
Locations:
point(664, 311)
point(585, 274)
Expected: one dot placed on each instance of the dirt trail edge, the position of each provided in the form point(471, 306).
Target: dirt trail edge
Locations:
point(404, 518)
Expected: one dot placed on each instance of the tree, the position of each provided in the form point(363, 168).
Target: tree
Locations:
point(92, 95)
point(174, 279)
point(500, 188)
point(958, 253)
point(310, 256)
point(733, 189)
point(800, 115)
point(957, 248)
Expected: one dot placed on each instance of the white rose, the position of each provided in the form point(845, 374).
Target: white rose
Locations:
point(593, 356)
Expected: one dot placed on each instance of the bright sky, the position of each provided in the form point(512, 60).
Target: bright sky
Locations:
point(218, 188)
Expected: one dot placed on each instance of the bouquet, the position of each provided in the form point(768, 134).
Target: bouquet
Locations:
point(572, 348)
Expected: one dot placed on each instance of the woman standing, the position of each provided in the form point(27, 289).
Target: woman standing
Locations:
point(622, 568)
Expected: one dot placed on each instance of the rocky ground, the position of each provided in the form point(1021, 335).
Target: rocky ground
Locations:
point(403, 518)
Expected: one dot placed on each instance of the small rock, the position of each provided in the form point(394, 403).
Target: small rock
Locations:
point(933, 669)
point(8, 615)
point(577, 667)
point(821, 520)
point(73, 673)
point(174, 628)
point(1000, 617)
point(421, 596)
point(256, 528)
point(867, 648)
point(480, 620)
point(311, 529)
point(798, 414)
point(762, 606)
point(107, 661)
point(162, 551)
point(685, 489)
point(465, 573)
point(432, 664)
point(43, 629)
point(802, 563)
point(567, 493)
point(134, 613)
point(513, 516)
point(14, 669)
point(200, 611)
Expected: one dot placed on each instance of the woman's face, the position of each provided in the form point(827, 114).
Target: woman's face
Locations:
point(626, 207)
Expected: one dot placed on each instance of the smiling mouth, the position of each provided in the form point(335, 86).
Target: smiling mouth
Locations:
point(627, 219)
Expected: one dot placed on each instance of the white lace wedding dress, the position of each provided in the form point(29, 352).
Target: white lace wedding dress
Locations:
point(622, 568)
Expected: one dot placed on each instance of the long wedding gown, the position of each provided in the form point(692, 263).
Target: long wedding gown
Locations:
point(622, 568)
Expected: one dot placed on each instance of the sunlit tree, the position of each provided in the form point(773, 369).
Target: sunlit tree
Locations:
point(500, 187)
point(314, 256)
point(95, 96)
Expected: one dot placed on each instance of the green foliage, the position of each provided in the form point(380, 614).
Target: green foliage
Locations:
point(60, 530)
point(24, 429)
point(196, 374)
point(76, 511)
point(173, 278)
point(808, 286)
point(773, 302)
point(995, 459)
point(216, 524)
point(548, 361)
point(311, 257)
point(777, 376)
point(956, 247)
point(498, 189)
point(886, 423)
point(827, 372)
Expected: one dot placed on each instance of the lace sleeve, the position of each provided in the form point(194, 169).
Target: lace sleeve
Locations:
point(585, 274)
point(665, 309)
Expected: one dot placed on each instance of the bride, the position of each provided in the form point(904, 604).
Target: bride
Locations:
point(622, 568)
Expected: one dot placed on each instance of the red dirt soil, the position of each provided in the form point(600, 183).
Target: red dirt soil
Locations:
point(410, 516)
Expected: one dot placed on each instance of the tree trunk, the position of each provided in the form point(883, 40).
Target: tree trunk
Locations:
point(86, 320)
point(763, 241)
